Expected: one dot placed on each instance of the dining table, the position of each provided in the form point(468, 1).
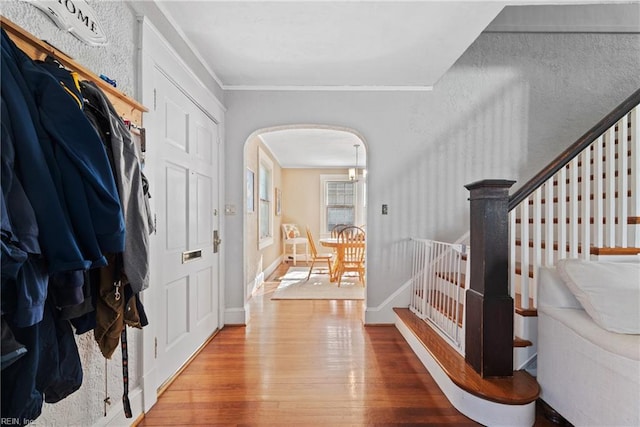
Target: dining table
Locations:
point(332, 242)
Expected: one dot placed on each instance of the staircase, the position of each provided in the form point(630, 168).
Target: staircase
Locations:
point(584, 204)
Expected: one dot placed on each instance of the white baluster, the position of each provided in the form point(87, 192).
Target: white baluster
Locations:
point(417, 277)
point(635, 171)
point(623, 179)
point(446, 261)
point(512, 252)
point(562, 213)
point(524, 254)
point(573, 208)
point(467, 274)
point(586, 204)
point(428, 290)
point(437, 287)
point(420, 288)
point(537, 241)
point(548, 217)
point(610, 183)
point(598, 192)
point(413, 275)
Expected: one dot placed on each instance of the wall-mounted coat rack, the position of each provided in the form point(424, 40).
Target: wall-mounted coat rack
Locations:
point(37, 49)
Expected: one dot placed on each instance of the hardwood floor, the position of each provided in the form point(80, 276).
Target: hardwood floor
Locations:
point(305, 363)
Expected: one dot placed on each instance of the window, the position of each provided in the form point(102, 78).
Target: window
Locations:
point(340, 203)
point(265, 197)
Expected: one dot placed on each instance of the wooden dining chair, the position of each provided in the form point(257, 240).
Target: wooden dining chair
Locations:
point(351, 250)
point(315, 256)
point(337, 229)
point(354, 231)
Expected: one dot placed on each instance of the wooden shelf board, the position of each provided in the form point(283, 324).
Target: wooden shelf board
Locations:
point(37, 49)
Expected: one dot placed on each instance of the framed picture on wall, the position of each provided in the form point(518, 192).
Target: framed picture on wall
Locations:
point(251, 176)
point(278, 202)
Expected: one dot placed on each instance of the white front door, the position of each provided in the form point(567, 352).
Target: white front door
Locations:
point(187, 218)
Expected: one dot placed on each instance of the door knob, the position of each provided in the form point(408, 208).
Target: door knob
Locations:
point(216, 241)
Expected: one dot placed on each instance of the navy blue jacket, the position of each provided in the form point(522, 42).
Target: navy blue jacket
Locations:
point(62, 165)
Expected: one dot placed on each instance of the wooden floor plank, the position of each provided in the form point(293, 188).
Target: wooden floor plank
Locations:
point(305, 363)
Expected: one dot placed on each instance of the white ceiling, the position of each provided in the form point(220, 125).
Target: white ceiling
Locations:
point(331, 44)
point(349, 45)
point(315, 148)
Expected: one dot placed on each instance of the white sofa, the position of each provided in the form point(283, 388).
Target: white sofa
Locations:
point(588, 374)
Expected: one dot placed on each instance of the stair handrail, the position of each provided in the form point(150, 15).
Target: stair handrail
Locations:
point(573, 150)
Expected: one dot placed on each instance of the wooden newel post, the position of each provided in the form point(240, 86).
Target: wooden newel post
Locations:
point(489, 307)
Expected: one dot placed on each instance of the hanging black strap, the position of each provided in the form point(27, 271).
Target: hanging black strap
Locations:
point(125, 374)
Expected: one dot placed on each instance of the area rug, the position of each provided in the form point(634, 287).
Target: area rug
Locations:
point(293, 285)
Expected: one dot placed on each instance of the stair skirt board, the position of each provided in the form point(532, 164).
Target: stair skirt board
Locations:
point(483, 411)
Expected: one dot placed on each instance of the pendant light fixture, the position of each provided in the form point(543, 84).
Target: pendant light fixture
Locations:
point(356, 173)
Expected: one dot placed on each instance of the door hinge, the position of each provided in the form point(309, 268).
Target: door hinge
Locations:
point(155, 101)
point(155, 224)
point(155, 348)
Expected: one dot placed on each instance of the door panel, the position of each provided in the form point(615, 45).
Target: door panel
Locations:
point(176, 178)
point(187, 217)
point(204, 214)
point(176, 125)
point(177, 309)
point(204, 289)
point(204, 140)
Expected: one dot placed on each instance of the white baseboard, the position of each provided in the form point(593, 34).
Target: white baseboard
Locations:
point(258, 281)
point(235, 316)
point(115, 415)
point(275, 264)
point(384, 314)
point(149, 383)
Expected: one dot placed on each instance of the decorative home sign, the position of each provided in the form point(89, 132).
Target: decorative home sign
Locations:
point(74, 16)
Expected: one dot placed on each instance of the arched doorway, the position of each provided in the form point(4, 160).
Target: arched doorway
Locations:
point(289, 170)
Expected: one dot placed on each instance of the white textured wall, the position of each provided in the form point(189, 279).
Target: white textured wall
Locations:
point(509, 105)
point(116, 60)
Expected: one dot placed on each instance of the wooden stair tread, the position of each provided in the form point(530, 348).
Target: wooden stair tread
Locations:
point(568, 198)
point(615, 251)
point(604, 157)
point(524, 312)
point(519, 269)
point(521, 342)
point(520, 389)
point(450, 277)
point(591, 177)
point(593, 251)
point(445, 305)
point(543, 245)
point(631, 220)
